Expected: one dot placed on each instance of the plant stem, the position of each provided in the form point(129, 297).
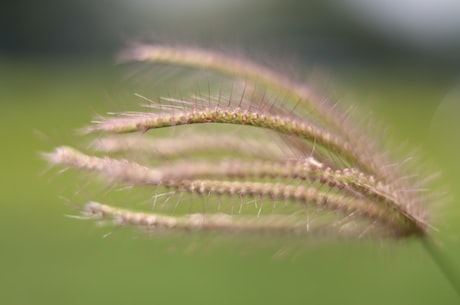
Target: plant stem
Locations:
point(445, 265)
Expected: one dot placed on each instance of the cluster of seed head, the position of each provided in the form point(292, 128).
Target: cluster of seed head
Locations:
point(321, 160)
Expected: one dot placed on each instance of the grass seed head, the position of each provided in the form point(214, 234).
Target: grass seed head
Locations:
point(312, 158)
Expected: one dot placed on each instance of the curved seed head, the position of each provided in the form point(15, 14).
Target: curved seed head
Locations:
point(306, 174)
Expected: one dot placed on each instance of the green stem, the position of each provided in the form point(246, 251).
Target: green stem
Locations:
point(445, 265)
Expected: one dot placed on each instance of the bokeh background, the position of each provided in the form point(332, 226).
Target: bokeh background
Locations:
point(399, 60)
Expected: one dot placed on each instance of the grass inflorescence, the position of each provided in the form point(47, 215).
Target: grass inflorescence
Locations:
point(287, 161)
point(312, 158)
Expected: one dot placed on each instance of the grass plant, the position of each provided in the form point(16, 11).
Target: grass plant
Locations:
point(314, 170)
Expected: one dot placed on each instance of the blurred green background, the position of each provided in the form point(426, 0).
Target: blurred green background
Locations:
point(400, 61)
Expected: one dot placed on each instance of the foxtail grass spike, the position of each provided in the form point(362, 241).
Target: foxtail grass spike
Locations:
point(318, 160)
point(283, 161)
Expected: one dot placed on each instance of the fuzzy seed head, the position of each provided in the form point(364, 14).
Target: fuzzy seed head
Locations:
point(310, 171)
